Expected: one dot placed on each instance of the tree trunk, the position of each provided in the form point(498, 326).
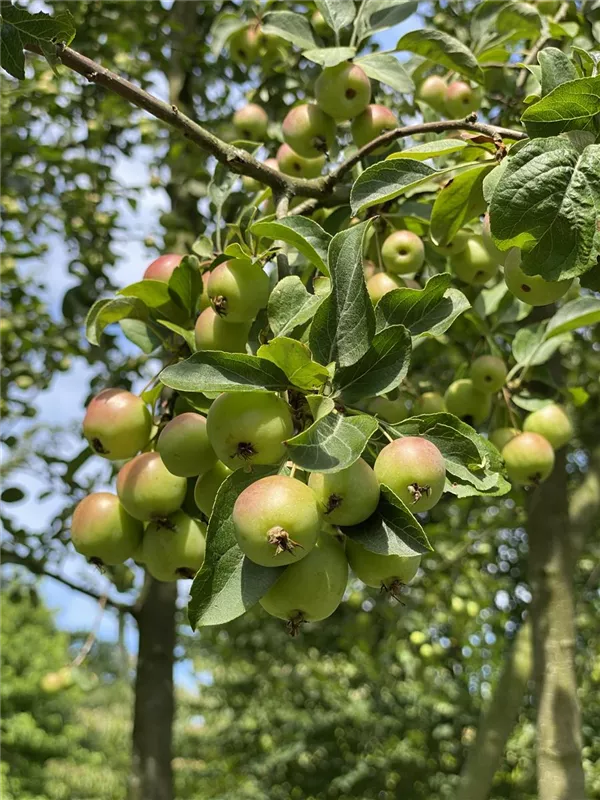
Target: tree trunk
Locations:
point(552, 555)
point(152, 777)
point(498, 720)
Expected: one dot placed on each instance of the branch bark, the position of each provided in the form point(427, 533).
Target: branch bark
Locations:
point(552, 559)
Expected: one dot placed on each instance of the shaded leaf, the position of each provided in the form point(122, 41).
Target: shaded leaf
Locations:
point(303, 233)
point(105, 312)
point(291, 305)
point(458, 203)
point(213, 371)
point(338, 14)
point(570, 106)
point(290, 26)
point(332, 443)
point(385, 68)
point(442, 49)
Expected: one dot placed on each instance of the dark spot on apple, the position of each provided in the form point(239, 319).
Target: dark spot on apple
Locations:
point(525, 287)
point(350, 93)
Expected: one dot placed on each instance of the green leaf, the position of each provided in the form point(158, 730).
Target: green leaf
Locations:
point(385, 68)
point(338, 13)
point(295, 360)
point(423, 311)
point(379, 15)
point(491, 179)
point(391, 529)
point(320, 406)
point(291, 305)
point(344, 323)
point(382, 368)
point(140, 334)
point(329, 56)
point(579, 313)
point(105, 312)
point(303, 233)
point(209, 371)
point(442, 49)
point(186, 334)
point(457, 203)
point(573, 105)
point(224, 26)
point(292, 27)
point(185, 284)
point(522, 19)
point(469, 457)
point(386, 180)
point(332, 443)
point(547, 203)
point(530, 347)
point(21, 29)
point(152, 293)
point(228, 583)
point(425, 150)
point(557, 68)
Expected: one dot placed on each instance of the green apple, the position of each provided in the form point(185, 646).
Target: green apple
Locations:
point(251, 122)
point(371, 123)
point(403, 252)
point(552, 423)
point(238, 290)
point(349, 496)
point(430, 403)
point(290, 163)
point(488, 373)
point(502, 436)
point(184, 447)
point(103, 531)
point(414, 469)
point(381, 571)
point(474, 264)
point(244, 45)
point(457, 245)
point(308, 130)
point(212, 332)
point(468, 403)
point(117, 424)
point(381, 283)
point(462, 99)
point(532, 289)
point(529, 459)
point(343, 91)
point(433, 92)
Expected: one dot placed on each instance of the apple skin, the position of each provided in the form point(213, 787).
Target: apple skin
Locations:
point(457, 245)
point(381, 283)
point(308, 130)
point(319, 26)
point(502, 436)
point(212, 332)
point(531, 289)
point(373, 121)
point(147, 489)
point(461, 99)
point(103, 531)
point(497, 255)
point(343, 91)
point(433, 91)
point(275, 504)
point(551, 422)
point(238, 290)
point(117, 424)
point(414, 469)
point(389, 410)
point(379, 570)
point(529, 459)
point(251, 122)
point(430, 403)
point(247, 428)
point(474, 265)
point(403, 252)
point(346, 497)
point(163, 267)
point(468, 403)
point(184, 447)
point(208, 485)
point(174, 548)
point(290, 163)
point(244, 45)
point(488, 373)
point(312, 589)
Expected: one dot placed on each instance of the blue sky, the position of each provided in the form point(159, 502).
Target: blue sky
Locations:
point(63, 403)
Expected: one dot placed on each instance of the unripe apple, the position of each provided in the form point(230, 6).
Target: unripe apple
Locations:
point(276, 521)
point(308, 130)
point(54, 682)
point(502, 436)
point(312, 589)
point(381, 283)
point(414, 469)
point(373, 121)
point(457, 245)
point(212, 332)
point(250, 185)
point(174, 548)
point(532, 289)
point(244, 45)
point(148, 490)
point(247, 428)
point(184, 447)
point(290, 163)
point(117, 424)
point(163, 267)
point(488, 373)
point(238, 290)
point(343, 91)
point(251, 122)
point(346, 497)
point(380, 571)
point(369, 268)
point(207, 487)
point(430, 403)
point(204, 301)
point(103, 531)
point(468, 403)
point(552, 423)
point(320, 26)
point(529, 459)
point(461, 99)
point(474, 264)
point(389, 410)
point(496, 254)
point(433, 92)
point(403, 252)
